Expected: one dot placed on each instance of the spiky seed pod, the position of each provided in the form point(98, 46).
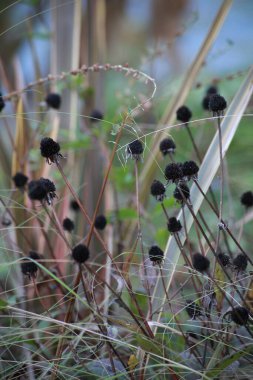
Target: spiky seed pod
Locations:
point(240, 315)
point(217, 104)
point(193, 309)
point(134, 150)
point(212, 90)
point(184, 114)
point(96, 116)
point(80, 253)
point(50, 150)
point(53, 100)
point(173, 172)
point(190, 169)
point(100, 222)
point(20, 180)
point(74, 205)
point(157, 189)
point(247, 199)
point(240, 262)
point(2, 102)
point(174, 225)
point(68, 224)
point(200, 262)
point(181, 193)
point(28, 267)
point(42, 190)
point(156, 254)
point(224, 260)
point(167, 146)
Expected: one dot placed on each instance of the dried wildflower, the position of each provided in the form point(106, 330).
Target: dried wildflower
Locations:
point(167, 146)
point(42, 190)
point(240, 315)
point(200, 262)
point(173, 172)
point(240, 262)
point(224, 260)
point(50, 150)
point(134, 150)
point(174, 225)
point(217, 104)
point(53, 100)
point(157, 189)
point(156, 254)
point(212, 90)
point(184, 114)
point(181, 193)
point(190, 169)
point(100, 222)
point(29, 268)
point(20, 180)
point(247, 199)
point(80, 253)
point(96, 116)
point(193, 309)
point(2, 102)
point(74, 205)
point(68, 224)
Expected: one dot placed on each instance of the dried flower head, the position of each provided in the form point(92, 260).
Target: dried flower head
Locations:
point(157, 189)
point(174, 225)
point(200, 262)
point(20, 180)
point(240, 262)
point(167, 146)
point(96, 116)
point(28, 267)
point(156, 254)
point(190, 169)
point(181, 193)
point(217, 104)
point(74, 205)
point(53, 100)
point(184, 114)
point(223, 259)
point(100, 222)
point(173, 172)
point(68, 224)
point(80, 253)
point(247, 199)
point(42, 190)
point(2, 102)
point(193, 309)
point(240, 315)
point(50, 150)
point(212, 90)
point(134, 150)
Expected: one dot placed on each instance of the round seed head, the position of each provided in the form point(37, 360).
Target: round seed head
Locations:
point(96, 116)
point(217, 103)
point(174, 225)
point(173, 172)
point(157, 189)
point(2, 103)
point(100, 222)
point(212, 90)
point(181, 193)
point(80, 253)
point(184, 114)
point(247, 199)
point(193, 309)
point(68, 224)
point(74, 205)
point(36, 191)
point(135, 149)
point(49, 149)
point(224, 260)
point(53, 100)
point(240, 315)
point(20, 180)
point(200, 262)
point(190, 169)
point(167, 146)
point(240, 262)
point(28, 267)
point(155, 254)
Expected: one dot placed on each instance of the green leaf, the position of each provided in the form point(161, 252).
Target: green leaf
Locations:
point(3, 304)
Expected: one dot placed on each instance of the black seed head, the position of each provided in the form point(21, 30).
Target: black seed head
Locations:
point(100, 222)
point(240, 262)
point(224, 260)
point(181, 193)
point(174, 225)
point(155, 254)
point(42, 190)
point(96, 116)
point(2, 103)
point(68, 225)
point(135, 149)
point(167, 146)
point(29, 268)
point(247, 199)
point(217, 104)
point(20, 180)
point(74, 205)
point(173, 172)
point(50, 149)
point(80, 253)
point(157, 189)
point(240, 315)
point(212, 90)
point(184, 114)
point(190, 169)
point(53, 100)
point(200, 262)
point(193, 309)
